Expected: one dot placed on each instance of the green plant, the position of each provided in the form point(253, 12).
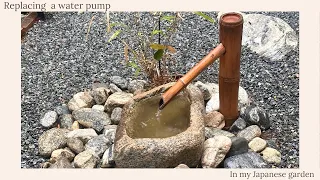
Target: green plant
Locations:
point(149, 51)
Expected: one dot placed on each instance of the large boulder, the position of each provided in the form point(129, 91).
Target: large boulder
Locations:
point(185, 147)
point(268, 36)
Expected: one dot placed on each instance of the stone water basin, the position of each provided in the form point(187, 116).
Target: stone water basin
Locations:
point(146, 139)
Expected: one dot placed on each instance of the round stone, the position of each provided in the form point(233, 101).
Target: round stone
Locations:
point(214, 119)
point(255, 115)
point(215, 150)
point(271, 155)
point(250, 132)
point(49, 119)
point(181, 166)
point(116, 115)
point(66, 121)
point(120, 82)
point(76, 145)
point(257, 144)
point(51, 140)
point(239, 146)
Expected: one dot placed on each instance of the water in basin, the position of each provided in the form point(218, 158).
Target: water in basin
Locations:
point(149, 122)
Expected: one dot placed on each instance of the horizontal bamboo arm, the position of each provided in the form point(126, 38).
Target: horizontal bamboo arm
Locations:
point(191, 75)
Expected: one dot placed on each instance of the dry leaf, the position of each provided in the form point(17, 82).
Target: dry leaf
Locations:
point(171, 49)
point(179, 16)
point(108, 23)
point(126, 51)
point(88, 31)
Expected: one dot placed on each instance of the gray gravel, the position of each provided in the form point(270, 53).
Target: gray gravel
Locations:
point(57, 62)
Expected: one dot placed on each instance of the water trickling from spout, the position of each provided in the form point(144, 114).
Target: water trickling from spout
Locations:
point(158, 115)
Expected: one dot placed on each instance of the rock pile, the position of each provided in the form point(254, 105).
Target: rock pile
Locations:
point(240, 146)
point(81, 133)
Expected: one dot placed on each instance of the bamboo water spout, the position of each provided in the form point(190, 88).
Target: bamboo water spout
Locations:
point(229, 51)
point(193, 73)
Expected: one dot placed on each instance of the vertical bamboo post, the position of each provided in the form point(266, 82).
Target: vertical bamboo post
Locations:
point(230, 29)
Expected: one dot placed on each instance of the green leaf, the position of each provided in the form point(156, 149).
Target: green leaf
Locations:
point(206, 17)
point(158, 55)
point(114, 35)
point(157, 46)
point(133, 65)
point(156, 32)
point(168, 18)
point(136, 73)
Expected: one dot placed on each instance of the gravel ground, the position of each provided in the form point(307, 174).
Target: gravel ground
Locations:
point(57, 62)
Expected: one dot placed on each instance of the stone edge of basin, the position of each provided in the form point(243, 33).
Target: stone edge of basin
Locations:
point(183, 148)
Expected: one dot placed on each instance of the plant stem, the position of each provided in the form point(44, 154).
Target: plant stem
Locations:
point(159, 43)
point(88, 31)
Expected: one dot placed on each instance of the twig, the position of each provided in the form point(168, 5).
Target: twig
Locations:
point(179, 15)
point(108, 23)
point(88, 31)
